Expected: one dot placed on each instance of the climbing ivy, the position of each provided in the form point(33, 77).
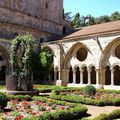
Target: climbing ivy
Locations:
point(21, 57)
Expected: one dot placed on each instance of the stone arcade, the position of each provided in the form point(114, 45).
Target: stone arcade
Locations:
point(91, 55)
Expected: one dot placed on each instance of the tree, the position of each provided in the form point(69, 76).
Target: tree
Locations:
point(91, 20)
point(76, 21)
point(103, 19)
point(115, 16)
point(67, 16)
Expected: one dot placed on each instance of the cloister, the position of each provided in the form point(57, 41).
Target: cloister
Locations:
point(81, 58)
point(89, 60)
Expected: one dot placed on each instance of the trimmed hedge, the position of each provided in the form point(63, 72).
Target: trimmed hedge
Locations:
point(19, 97)
point(3, 100)
point(88, 101)
point(111, 116)
point(89, 90)
point(72, 114)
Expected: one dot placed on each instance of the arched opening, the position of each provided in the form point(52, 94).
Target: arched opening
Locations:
point(77, 75)
point(116, 75)
point(85, 75)
point(107, 76)
point(3, 73)
point(64, 30)
point(52, 74)
point(70, 75)
point(93, 75)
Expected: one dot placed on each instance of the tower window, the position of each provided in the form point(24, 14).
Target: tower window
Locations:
point(46, 5)
point(64, 30)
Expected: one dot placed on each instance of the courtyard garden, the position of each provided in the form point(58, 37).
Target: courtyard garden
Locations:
point(62, 103)
point(22, 100)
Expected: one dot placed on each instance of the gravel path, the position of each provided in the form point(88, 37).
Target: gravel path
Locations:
point(94, 111)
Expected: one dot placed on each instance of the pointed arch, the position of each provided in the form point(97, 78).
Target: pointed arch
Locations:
point(105, 54)
point(70, 53)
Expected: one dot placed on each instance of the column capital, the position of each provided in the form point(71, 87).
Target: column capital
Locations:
point(89, 70)
point(112, 69)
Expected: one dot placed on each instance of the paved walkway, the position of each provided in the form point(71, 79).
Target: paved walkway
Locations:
point(94, 111)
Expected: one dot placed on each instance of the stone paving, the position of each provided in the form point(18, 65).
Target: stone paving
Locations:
point(95, 111)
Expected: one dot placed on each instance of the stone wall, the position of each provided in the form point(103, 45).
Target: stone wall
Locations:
point(44, 17)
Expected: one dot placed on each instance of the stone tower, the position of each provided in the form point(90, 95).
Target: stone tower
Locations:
point(42, 18)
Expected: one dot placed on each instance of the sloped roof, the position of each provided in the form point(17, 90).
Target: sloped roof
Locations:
point(96, 29)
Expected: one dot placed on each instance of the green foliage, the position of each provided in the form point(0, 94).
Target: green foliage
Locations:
point(116, 102)
point(111, 116)
point(54, 93)
point(46, 59)
point(86, 20)
point(3, 100)
point(19, 97)
point(76, 21)
point(41, 64)
point(21, 57)
point(72, 114)
point(89, 90)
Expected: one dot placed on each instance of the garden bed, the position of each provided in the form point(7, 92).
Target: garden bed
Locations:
point(41, 108)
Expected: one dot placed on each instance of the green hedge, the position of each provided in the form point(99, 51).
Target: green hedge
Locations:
point(19, 97)
point(88, 101)
point(111, 116)
point(72, 114)
point(3, 100)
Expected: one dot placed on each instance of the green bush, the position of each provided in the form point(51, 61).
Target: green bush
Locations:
point(54, 93)
point(19, 97)
point(89, 90)
point(111, 116)
point(39, 98)
point(3, 100)
point(72, 114)
point(116, 102)
point(101, 117)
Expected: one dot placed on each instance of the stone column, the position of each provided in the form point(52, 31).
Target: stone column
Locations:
point(74, 76)
point(89, 76)
point(65, 76)
point(81, 76)
point(112, 77)
point(97, 77)
point(59, 75)
point(55, 75)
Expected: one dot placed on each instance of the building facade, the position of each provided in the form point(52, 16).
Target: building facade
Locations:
point(90, 55)
point(42, 18)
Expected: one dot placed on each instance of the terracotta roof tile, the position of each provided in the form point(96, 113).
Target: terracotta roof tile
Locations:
point(95, 29)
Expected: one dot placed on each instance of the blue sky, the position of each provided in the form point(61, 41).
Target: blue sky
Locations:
point(93, 7)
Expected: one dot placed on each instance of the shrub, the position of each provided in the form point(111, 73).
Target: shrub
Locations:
point(116, 102)
point(113, 115)
point(54, 93)
point(89, 90)
point(101, 117)
point(19, 97)
point(3, 100)
point(72, 114)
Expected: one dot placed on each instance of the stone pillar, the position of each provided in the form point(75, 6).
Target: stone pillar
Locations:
point(103, 77)
point(59, 74)
point(112, 77)
point(89, 76)
point(81, 76)
point(65, 76)
point(74, 76)
point(55, 75)
point(97, 76)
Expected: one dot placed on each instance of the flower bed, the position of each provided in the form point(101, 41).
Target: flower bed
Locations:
point(101, 98)
point(38, 109)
